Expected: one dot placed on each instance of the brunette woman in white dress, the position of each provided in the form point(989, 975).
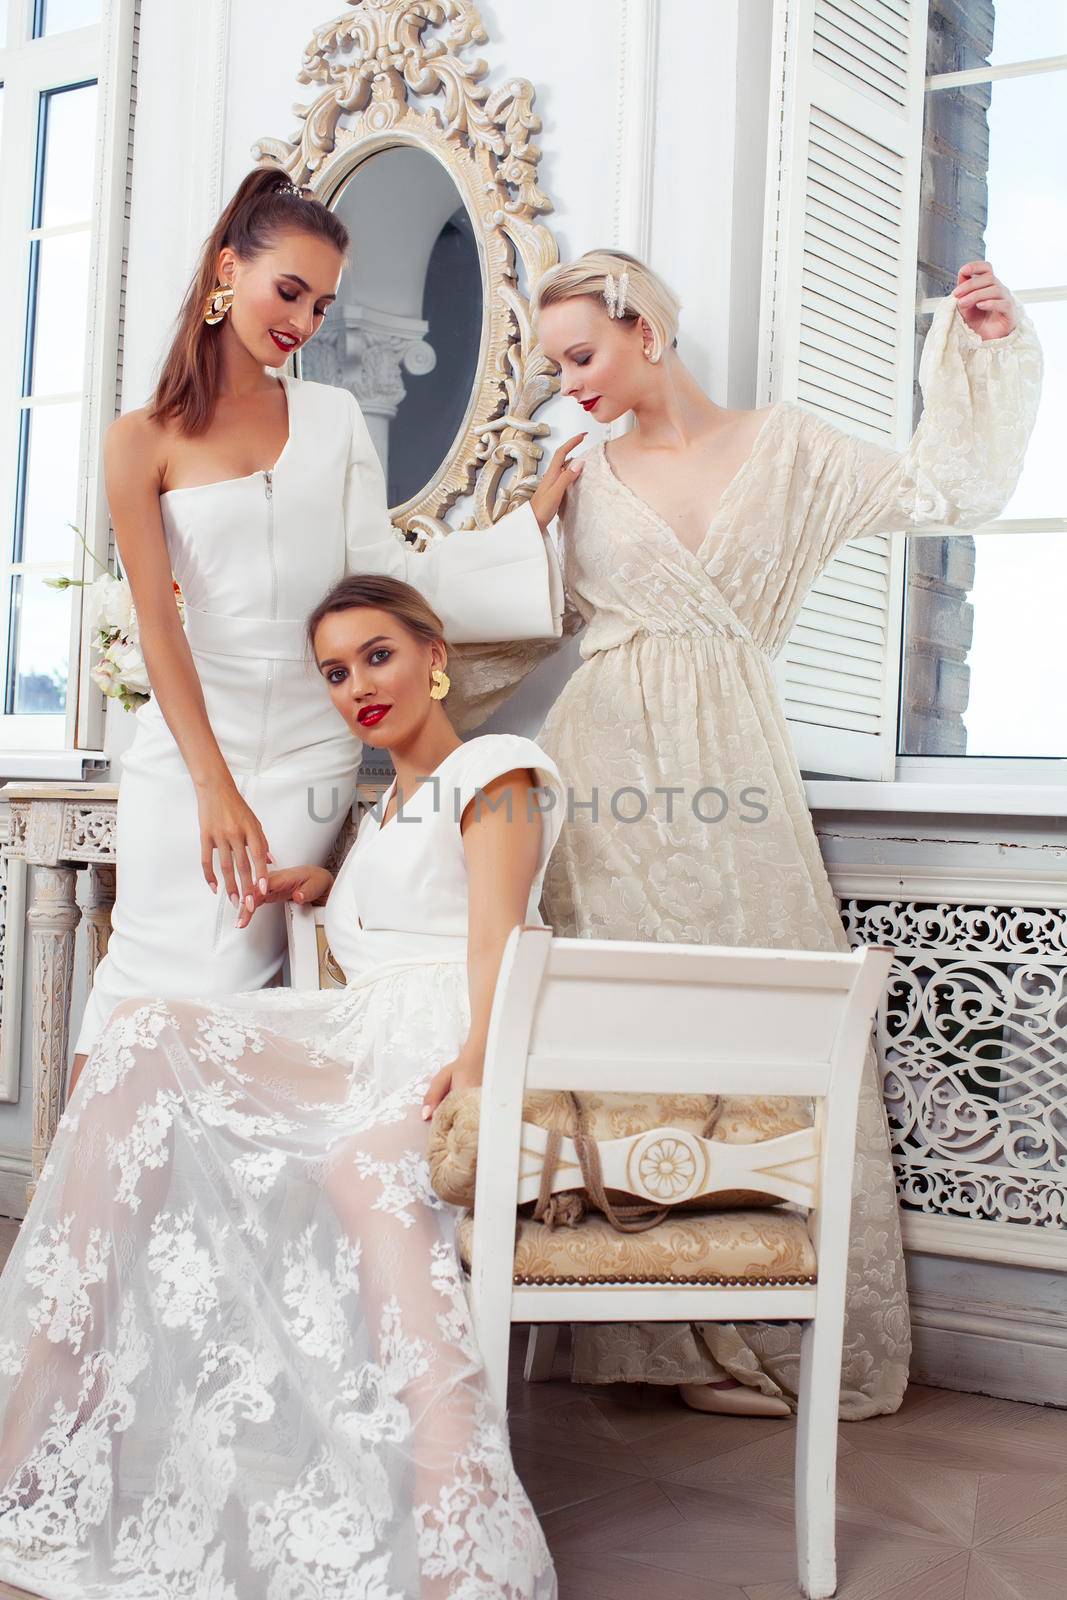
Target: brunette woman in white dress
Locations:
point(256, 494)
point(689, 547)
point(236, 1354)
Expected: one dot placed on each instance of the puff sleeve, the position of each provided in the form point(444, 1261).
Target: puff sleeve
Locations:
point(964, 459)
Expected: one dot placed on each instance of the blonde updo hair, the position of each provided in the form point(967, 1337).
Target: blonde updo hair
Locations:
point(587, 277)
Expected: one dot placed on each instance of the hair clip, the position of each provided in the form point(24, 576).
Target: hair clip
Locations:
point(615, 293)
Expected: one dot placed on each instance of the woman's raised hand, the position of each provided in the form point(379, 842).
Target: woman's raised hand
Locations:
point(555, 481)
point(230, 826)
point(984, 303)
point(306, 886)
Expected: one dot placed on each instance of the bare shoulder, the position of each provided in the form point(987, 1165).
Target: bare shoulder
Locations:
point(136, 443)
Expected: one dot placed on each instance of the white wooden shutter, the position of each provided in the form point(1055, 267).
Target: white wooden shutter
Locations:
point(837, 334)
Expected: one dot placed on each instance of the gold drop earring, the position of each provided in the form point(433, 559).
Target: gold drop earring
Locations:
point(218, 303)
point(441, 684)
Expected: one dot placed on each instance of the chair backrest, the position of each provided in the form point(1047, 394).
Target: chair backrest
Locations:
point(615, 1015)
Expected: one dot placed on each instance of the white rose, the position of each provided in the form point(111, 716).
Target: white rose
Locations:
point(103, 674)
point(110, 603)
point(129, 667)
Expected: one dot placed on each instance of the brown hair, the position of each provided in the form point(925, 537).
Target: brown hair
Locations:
point(264, 205)
point(386, 594)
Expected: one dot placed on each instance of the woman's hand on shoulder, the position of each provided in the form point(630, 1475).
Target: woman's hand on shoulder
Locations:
point(984, 303)
point(304, 886)
point(555, 481)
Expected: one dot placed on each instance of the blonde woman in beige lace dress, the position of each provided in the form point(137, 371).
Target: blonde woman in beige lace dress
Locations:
point(689, 546)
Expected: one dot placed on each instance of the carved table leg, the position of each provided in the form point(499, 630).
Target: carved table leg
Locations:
point(96, 913)
point(52, 921)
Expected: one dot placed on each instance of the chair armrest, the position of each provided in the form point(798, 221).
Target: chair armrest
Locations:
point(303, 945)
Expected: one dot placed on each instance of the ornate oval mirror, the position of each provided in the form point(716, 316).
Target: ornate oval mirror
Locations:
point(435, 177)
point(405, 332)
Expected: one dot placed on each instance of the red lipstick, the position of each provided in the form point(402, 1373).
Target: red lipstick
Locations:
point(371, 715)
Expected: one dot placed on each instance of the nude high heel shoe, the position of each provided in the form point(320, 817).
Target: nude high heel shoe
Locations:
point(729, 1398)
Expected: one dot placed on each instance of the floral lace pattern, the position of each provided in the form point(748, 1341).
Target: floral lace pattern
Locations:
point(238, 1359)
point(676, 690)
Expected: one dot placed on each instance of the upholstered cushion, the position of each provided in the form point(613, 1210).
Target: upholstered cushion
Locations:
point(740, 1119)
point(720, 1247)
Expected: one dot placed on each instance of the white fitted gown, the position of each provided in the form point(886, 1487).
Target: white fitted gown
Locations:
point(236, 1355)
point(254, 556)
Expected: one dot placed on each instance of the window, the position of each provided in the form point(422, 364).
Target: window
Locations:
point(57, 257)
point(985, 675)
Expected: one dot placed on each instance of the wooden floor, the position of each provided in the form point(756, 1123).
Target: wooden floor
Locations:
point(956, 1497)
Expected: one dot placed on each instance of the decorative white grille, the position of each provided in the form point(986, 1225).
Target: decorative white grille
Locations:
point(973, 1042)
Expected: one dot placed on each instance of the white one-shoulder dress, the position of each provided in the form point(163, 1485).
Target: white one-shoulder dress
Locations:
point(236, 1354)
point(254, 556)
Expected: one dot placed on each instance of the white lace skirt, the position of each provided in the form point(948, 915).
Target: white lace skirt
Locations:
point(236, 1357)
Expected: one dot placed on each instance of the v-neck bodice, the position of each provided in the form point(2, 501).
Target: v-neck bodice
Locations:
point(735, 482)
point(401, 892)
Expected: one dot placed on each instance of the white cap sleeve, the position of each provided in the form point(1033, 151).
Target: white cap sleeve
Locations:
point(494, 753)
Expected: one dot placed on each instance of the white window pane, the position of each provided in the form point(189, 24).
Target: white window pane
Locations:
point(42, 633)
point(69, 155)
point(50, 502)
point(1026, 236)
point(59, 16)
point(1024, 30)
point(1018, 668)
point(1042, 489)
point(60, 314)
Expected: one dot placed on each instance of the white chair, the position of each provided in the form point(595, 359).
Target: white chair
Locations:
point(311, 966)
point(610, 1015)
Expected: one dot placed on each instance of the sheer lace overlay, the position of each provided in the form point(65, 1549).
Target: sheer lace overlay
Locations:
point(676, 690)
point(236, 1355)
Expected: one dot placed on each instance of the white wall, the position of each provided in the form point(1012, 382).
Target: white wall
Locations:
point(647, 143)
point(699, 220)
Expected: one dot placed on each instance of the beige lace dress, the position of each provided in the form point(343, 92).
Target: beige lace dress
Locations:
point(676, 692)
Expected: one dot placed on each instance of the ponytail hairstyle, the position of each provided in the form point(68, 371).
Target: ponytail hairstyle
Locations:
point(265, 205)
point(646, 295)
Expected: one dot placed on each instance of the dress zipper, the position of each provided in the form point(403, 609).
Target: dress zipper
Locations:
point(268, 489)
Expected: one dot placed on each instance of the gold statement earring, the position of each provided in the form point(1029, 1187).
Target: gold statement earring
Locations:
point(218, 303)
point(441, 684)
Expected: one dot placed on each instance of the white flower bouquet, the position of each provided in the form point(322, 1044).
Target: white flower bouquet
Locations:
point(120, 669)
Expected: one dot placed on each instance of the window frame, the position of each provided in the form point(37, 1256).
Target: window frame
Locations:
point(103, 53)
point(980, 769)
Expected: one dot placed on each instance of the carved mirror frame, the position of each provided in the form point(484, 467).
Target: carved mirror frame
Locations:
point(395, 72)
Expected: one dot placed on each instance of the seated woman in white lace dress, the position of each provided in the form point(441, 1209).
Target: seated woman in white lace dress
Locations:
point(236, 1358)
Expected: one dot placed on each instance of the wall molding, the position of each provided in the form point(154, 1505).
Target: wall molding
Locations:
point(635, 141)
point(1002, 1242)
point(1009, 1351)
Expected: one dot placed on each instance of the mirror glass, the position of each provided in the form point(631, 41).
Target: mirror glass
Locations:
point(405, 330)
